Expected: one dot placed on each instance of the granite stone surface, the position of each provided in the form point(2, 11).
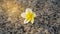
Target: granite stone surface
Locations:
point(47, 21)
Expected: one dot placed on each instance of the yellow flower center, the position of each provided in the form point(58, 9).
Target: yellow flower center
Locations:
point(29, 16)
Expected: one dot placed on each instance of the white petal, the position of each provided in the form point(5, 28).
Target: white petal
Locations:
point(29, 9)
point(35, 15)
point(25, 21)
point(32, 21)
point(23, 15)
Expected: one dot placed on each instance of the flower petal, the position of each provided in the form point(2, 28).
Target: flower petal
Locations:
point(35, 15)
point(23, 15)
point(26, 21)
point(32, 21)
point(28, 10)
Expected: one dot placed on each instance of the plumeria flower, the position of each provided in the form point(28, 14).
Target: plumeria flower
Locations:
point(28, 15)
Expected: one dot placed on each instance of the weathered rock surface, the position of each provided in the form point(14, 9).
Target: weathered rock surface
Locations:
point(47, 21)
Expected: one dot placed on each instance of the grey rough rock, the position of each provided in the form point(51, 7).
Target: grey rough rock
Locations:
point(47, 21)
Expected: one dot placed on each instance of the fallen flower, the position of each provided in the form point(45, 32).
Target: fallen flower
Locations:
point(28, 15)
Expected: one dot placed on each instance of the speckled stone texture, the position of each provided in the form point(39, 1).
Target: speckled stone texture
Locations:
point(47, 21)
